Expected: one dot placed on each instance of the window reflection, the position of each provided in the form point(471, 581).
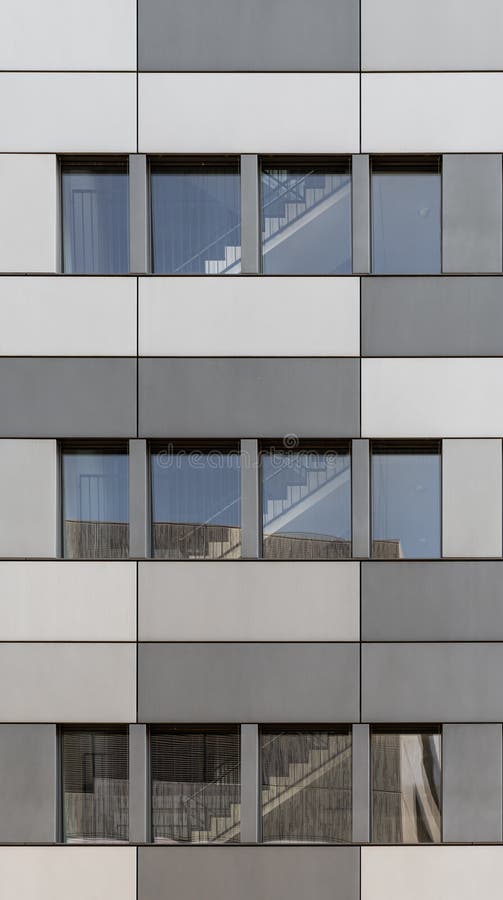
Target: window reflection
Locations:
point(95, 218)
point(306, 218)
point(406, 500)
point(196, 218)
point(95, 502)
point(406, 771)
point(306, 503)
point(196, 503)
point(406, 216)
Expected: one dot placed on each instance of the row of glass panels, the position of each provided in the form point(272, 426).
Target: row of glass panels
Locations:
point(306, 502)
point(305, 785)
point(305, 217)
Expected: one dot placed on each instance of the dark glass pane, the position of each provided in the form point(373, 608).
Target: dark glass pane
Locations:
point(406, 222)
point(196, 219)
point(95, 504)
point(95, 784)
point(306, 220)
point(196, 504)
point(306, 786)
point(196, 791)
point(95, 220)
point(306, 504)
point(406, 501)
point(406, 771)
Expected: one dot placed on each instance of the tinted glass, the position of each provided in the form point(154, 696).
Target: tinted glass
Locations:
point(95, 503)
point(196, 504)
point(95, 784)
point(306, 504)
point(95, 219)
point(306, 786)
point(306, 219)
point(196, 219)
point(406, 501)
point(406, 771)
point(406, 222)
point(196, 791)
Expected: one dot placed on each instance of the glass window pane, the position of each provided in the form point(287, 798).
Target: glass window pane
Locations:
point(196, 219)
point(95, 503)
point(95, 219)
point(406, 222)
point(196, 504)
point(406, 771)
point(196, 790)
point(95, 784)
point(306, 219)
point(406, 501)
point(306, 504)
point(306, 786)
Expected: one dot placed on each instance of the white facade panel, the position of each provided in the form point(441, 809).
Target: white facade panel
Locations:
point(28, 213)
point(28, 497)
point(432, 113)
point(249, 316)
point(248, 113)
point(68, 112)
point(68, 682)
point(60, 873)
point(68, 34)
point(432, 397)
point(472, 498)
point(249, 601)
point(67, 601)
point(431, 34)
point(428, 873)
point(67, 316)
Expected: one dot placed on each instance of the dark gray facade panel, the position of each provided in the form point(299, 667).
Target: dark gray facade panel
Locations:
point(28, 770)
point(139, 517)
point(139, 786)
point(250, 784)
point(360, 497)
point(250, 500)
point(67, 397)
point(472, 783)
point(472, 235)
point(266, 397)
point(249, 873)
point(250, 214)
point(139, 220)
point(432, 316)
point(361, 783)
point(458, 600)
point(235, 35)
point(226, 682)
point(360, 188)
point(432, 682)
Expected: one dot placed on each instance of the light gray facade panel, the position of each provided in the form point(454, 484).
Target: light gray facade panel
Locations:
point(360, 192)
point(432, 682)
point(250, 212)
point(249, 873)
point(432, 316)
point(139, 786)
point(432, 601)
point(139, 219)
point(472, 783)
point(28, 771)
point(228, 35)
point(226, 682)
point(67, 397)
point(472, 236)
point(230, 397)
point(360, 497)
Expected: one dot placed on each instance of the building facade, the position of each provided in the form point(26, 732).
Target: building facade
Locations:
point(251, 423)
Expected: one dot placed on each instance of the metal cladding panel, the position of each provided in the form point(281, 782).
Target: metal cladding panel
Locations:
point(472, 236)
point(472, 782)
point(28, 783)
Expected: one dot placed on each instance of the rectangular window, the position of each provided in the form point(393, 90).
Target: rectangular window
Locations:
point(95, 784)
point(406, 491)
point(306, 217)
point(305, 785)
point(95, 501)
point(406, 773)
point(196, 502)
point(406, 229)
point(306, 502)
point(196, 217)
point(196, 791)
point(95, 217)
